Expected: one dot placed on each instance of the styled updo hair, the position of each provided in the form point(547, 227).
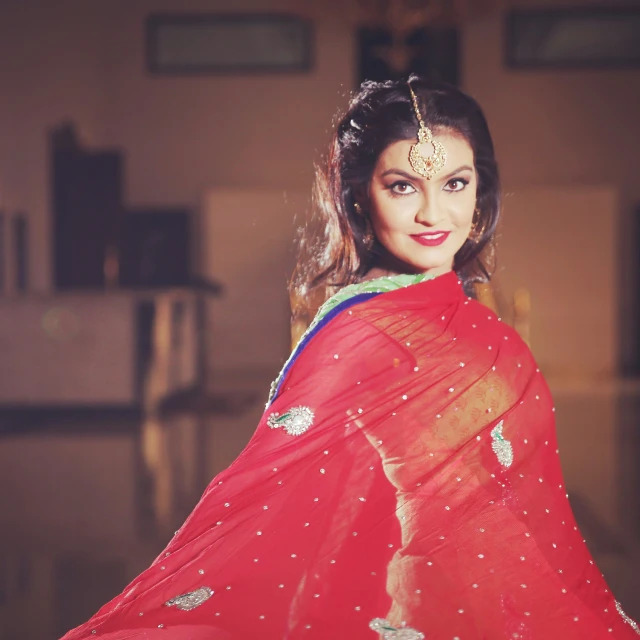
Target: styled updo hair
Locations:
point(379, 114)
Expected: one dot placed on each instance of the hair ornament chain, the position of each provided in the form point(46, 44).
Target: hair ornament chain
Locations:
point(426, 166)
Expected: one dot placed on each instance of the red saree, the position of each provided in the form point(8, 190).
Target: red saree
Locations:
point(403, 484)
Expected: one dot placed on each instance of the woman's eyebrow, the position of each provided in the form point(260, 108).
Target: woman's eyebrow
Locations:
point(400, 172)
point(464, 167)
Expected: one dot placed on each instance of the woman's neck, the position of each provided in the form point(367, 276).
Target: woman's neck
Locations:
point(378, 272)
point(387, 265)
point(381, 272)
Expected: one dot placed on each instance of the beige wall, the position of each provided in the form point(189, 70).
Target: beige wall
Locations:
point(554, 127)
point(247, 237)
point(181, 135)
point(562, 128)
point(546, 248)
point(51, 69)
point(186, 135)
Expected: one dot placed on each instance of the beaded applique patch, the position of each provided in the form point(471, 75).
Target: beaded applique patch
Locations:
point(632, 623)
point(501, 447)
point(387, 632)
point(191, 600)
point(295, 421)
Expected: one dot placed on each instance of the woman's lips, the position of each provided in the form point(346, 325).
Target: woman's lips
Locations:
point(432, 238)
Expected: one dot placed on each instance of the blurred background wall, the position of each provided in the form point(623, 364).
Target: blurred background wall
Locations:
point(236, 152)
point(184, 136)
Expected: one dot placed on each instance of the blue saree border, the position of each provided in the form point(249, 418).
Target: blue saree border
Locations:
point(343, 306)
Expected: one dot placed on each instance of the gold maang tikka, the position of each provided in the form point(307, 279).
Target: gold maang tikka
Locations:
point(426, 166)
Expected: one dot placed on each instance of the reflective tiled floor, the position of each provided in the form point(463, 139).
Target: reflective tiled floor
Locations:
point(88, 501)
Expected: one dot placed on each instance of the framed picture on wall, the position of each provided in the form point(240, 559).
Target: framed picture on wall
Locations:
point(579, 38)
point(227, 43)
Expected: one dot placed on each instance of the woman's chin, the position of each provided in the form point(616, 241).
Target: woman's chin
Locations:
point(433, 260)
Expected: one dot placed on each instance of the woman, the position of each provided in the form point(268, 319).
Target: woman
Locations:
point(404, 480)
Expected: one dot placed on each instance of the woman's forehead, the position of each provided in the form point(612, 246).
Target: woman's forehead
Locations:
point(459, 152)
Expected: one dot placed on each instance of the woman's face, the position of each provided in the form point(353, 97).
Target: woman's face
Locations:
point(420, 223)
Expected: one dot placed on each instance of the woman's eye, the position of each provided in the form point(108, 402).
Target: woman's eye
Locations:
point(456, 184)
point(402, 188)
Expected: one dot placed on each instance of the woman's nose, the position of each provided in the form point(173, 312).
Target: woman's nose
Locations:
point(429, 213)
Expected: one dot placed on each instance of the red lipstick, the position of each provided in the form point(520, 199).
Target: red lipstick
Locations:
point(431, 238)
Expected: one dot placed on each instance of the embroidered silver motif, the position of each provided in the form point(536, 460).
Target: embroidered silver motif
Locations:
point(191, 600)
point(632, 623)
point(295, 421)
point(387, 632)
point(501, 447)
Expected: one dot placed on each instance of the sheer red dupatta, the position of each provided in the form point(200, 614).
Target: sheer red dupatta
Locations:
point(421, 495)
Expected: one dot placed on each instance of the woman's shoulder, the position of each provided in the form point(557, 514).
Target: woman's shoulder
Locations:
point(486, 326)
point(499, 350)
